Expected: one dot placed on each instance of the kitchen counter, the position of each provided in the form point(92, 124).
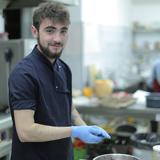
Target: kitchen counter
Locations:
point(137, 110)
point(5, 148)
point(5, 121)
point(5, 145)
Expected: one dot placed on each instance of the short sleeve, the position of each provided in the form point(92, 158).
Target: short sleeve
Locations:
point(22, 90)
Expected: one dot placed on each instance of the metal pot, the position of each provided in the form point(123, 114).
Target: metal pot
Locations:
point(125, 130)
point(116, 156)
point(122, 144)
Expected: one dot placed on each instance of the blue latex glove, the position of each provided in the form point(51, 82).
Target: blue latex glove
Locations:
point(89, 134)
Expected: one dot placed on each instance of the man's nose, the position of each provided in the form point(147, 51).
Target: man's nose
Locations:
point(57, 37)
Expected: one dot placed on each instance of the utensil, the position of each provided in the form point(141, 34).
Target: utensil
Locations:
point(115, 156)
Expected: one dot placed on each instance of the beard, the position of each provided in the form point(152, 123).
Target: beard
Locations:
point(47, 52)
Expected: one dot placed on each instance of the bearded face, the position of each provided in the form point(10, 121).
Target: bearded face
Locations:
point(51, 38)
point(48, 52)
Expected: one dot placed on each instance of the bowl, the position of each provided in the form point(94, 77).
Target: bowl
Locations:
point(115, 156)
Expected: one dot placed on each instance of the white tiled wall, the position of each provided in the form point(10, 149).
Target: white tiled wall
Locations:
point(113, 56)
point(1, 22)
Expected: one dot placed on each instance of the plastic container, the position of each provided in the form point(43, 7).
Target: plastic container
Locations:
point(103, 88)
point(153, 100)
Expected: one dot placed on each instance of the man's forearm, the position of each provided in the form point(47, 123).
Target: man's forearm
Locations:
point(76, 118)
point(30, 131)
point(42, 133)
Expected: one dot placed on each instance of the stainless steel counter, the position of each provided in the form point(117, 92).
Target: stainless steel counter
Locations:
point(5, 148)
point(5, 145)
point(136, 110)
point(5, 121)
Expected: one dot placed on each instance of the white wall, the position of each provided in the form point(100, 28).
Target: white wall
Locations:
point(75, 13)
point(107, 38)
point(146, 11)
point(73, 54)
point(1, 22)
point(111, 13)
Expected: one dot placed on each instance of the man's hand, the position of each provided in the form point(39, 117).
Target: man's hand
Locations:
point(89, 134)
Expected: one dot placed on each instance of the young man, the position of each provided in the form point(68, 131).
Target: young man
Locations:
point(40, 94)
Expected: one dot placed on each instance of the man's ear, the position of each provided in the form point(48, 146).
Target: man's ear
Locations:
point(34, 31)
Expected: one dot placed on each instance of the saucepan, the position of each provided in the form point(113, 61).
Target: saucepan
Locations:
point(115, 156)
point(125, 130)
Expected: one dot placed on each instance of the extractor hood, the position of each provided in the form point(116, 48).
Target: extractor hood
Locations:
point(70, 2)
point(3, 3)
point(17, 4)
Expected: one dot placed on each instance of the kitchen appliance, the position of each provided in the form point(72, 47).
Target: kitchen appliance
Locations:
point(123, 143)
point(104, 147)
point(116, 156)
point(119, 143)
point(143, 144)
point(3, 3)
point(11, 52)
point(153, 100)
point(125, 130)
point(156, 152)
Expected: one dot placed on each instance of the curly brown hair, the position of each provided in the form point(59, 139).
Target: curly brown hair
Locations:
point(52, 10)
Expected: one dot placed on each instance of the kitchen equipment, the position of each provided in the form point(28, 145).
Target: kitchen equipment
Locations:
point(153, 100)
point(156, 152)
point(123, 142)
point(104, 147)
point(125, 130)
point(143, 143)
point(115, 156)
point(103, 88)
point(118, 100)
point(11, 52)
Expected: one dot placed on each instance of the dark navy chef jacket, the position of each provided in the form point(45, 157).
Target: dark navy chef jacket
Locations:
point(38, 85)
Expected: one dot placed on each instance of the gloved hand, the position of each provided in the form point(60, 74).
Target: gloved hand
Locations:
point(89, 134)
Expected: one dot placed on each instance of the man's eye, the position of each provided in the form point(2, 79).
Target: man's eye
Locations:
point(50, 31)
point(64, 31)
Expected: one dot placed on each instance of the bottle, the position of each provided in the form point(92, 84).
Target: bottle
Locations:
point(87, 90)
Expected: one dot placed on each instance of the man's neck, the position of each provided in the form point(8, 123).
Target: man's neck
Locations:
point(51, 60)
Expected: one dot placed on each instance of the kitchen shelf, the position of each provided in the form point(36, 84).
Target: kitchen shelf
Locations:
point(146, 51)
point(145, 45)
point(136, 110)
point(5, 148)
point(146, 31)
